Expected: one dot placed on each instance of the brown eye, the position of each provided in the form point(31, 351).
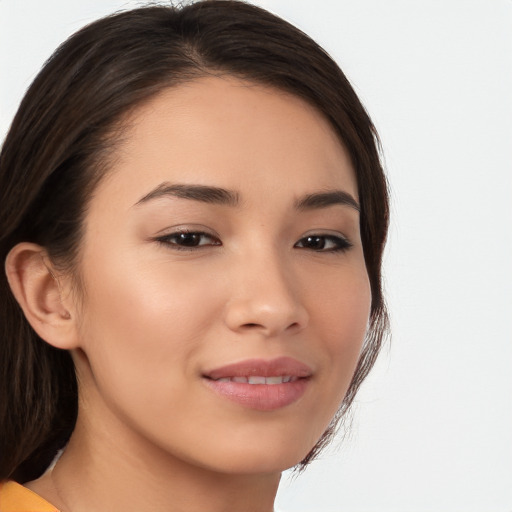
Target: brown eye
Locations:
point(188, 240)
point(324, 243)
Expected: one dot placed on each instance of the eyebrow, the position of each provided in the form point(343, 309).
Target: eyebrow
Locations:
point(325, 199)
point(222, 196)
point(203, 193)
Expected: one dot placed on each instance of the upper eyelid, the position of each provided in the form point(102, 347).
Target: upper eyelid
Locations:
point(326, 233)
point(187, 232)
point(174, 230)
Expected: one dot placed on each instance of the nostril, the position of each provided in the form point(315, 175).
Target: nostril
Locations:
point(294, 325)
point(253, 325)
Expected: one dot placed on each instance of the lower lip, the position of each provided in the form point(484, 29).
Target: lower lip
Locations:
point(261, 397)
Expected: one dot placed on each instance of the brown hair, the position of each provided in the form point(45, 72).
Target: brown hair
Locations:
point(58, 146)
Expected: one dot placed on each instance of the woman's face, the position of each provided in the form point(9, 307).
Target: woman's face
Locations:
point(225, 292)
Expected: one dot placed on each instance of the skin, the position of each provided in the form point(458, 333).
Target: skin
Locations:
point(152, 318)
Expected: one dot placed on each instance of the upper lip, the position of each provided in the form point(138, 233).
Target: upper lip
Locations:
point(281, 366)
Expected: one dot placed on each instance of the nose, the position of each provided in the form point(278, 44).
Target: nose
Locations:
point(265, 299)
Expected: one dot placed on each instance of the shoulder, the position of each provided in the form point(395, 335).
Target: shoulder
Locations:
point(16, 498)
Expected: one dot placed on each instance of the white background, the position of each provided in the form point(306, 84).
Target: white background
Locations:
point(433, 424)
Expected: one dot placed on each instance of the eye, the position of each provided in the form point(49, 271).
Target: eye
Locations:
point(324, 243)
point(188, 240)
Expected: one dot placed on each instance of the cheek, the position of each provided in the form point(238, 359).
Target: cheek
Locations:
point(342, 319)
point(142, 332)
point(340, 303)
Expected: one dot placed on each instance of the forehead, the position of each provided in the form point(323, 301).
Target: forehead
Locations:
point(231, 133)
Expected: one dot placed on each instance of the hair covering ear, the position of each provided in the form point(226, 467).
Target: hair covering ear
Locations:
point(41, 294)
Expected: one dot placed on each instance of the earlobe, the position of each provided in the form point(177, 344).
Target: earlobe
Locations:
point(42, 294)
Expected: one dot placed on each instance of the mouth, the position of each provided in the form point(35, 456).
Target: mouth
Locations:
point(263, 385)
point(255, 370)
point(259, 379)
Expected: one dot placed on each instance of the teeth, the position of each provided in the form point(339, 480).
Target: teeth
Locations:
point(274, 380)
point(256, 379)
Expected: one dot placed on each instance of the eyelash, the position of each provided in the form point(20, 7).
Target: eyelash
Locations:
point(339, 243)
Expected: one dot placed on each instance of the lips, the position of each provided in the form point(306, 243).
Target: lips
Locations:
point(281, 366)
point(260, 384)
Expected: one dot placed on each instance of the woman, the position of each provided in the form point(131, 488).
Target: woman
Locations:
point(192, 223)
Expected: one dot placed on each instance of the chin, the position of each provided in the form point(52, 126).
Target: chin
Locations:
point(259, 462)
point(263, 454)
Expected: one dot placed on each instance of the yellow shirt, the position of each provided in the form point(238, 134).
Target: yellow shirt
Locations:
point(16, 498)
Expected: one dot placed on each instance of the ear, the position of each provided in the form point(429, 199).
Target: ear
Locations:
point(44, 296)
